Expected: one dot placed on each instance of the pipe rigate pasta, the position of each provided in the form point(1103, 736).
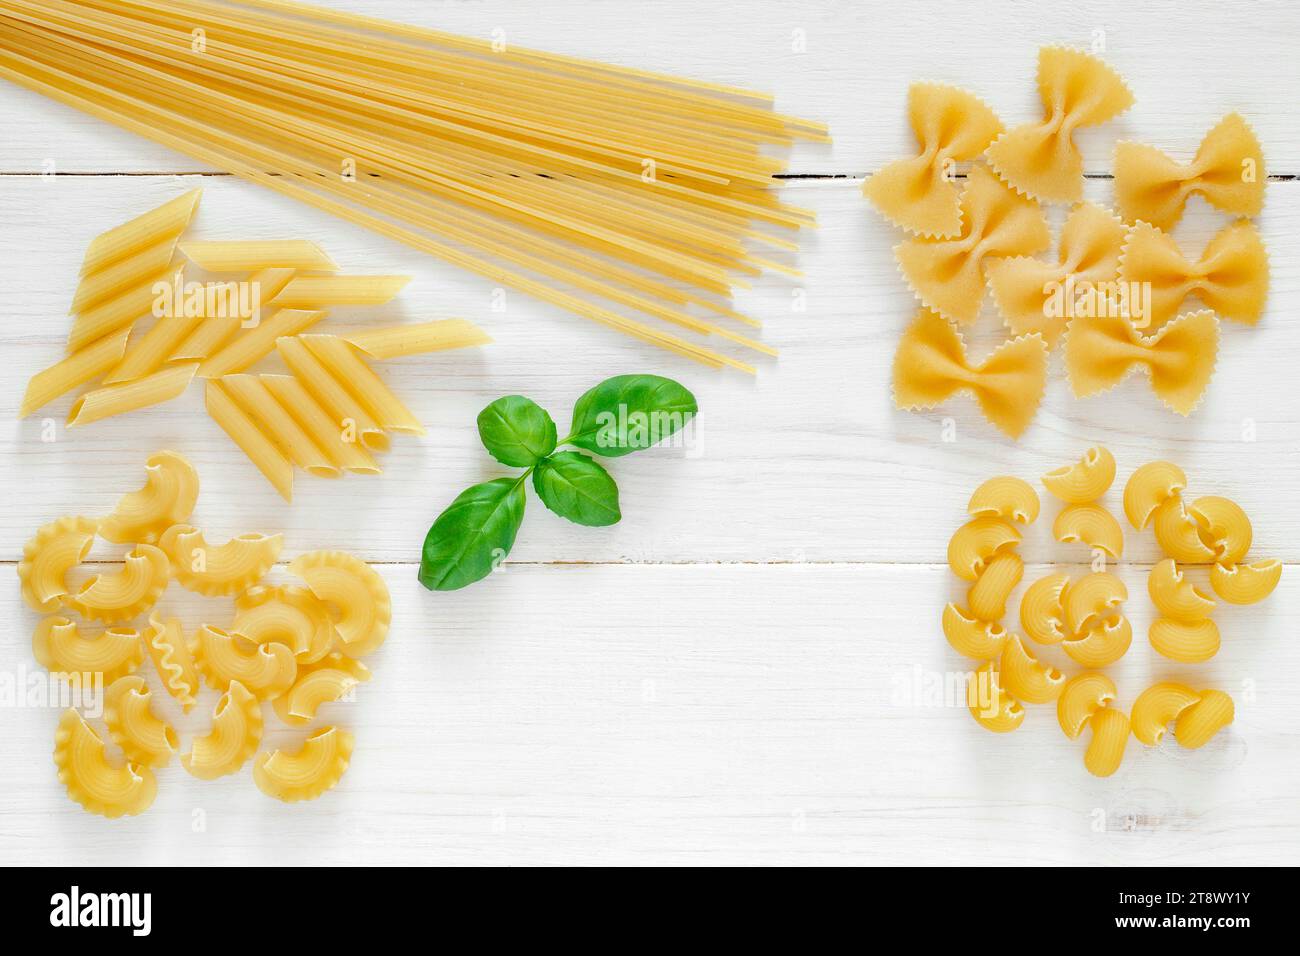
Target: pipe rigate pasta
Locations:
point(1197, 724)
point(1246, 583)
point(292, 616)
point(1187, 643)
point(1084, 481)
point(1149, 487)
point(1093, 599)
point(226, 569)
point(1089, 524)
point(1083, 695)
point(356, 590)
point(988, 596)
point(1179, 535)
point(171, 488)
point(170, 652)
point(145, 739)
point(53, 551)
point(126, 593)
point(975, 542)
point(1025, 677)
point(59, 646)
point(917, 193)
point(1040, 159)
point(314, 769)
point(328, 680)
point(971, 637)
point(1157, 707)
point(265, 670)
point(1006, 497)
point(1176, 597)
point(1228, 170)
point(989, 703)
point(1110, 729)
point(1101, 643)
point(100, 787)
point(234, 737)
point(1042, 609)
point(1223, 527)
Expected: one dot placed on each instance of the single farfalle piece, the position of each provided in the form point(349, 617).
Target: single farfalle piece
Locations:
point(1231, 276)
point(234, 737)
point(1110, 729)
point(970, 636)
point(170, 489)
point(1007, 497)
point(224, 657)
point(1149, 487)
point(1246, 583)
point(313, 770)
point(1197, 724)
point(1085, 480)
point(323, 682)
point(170, 652)
point(1157, 707)
point(1175, 597)
point(1042, 609)
point(59, 646)
point(220, 570)
point(975, 543)
point(1179, 359)
point(931, 365)
point(1040, 159)
point(947, 275)
point(53, 551)
point(1083, 696)
point(1228, 171)
point(145, 738)
point(989, 702)
point(126, 593)
point(918, 194)
point(99, 786)
point(1038, 295)
point(356, 590)
point(1092, 525)
point(291, 616)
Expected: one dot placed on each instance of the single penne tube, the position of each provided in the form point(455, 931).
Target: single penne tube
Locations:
point(120, 242)
point(119, 312)
point(360, 379)
point(77, 369)
point(149, 352)
point(252, 395)
point(394, 341)
point(257, 343)
point(329, 435)
point(103, 285)
point(127, 397)
point(261, 451)
point(216, 331)
point(346, 411)
point(314, 292)
point(251, 255)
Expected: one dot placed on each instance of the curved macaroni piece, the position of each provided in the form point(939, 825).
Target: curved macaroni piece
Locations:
point(988, 595)
point(1090, 524)
point(1102, 644)
point(1149, 487)
point(1042, 609)
point(1179, 358)
point(1157, 707)
point(1151, 186)
point(359, 593)
point(1203, 719)
point(53, 551)
point(267, 671)
point(226, 569)
point(127, 593)
point(971, 637)
point(1005, 497)
point(171, 656)
point(1025, 678)
point(234, 737)
point(171, 487)
point(292, 616)
point(146, 740)
point(1105, 751)
point(1223, 527)
point(1086, 480)
point(1192, 643)
point(1083, 696)
point(1034, 295)
point(1246, 583)
point(1178, 534)
point(329, 680)
point(1091, 599)
point(975, 542)
point(915, 194)
point(1040, 159)
point(1175, 597)
point(317, 767)
point(990, 704)
point(1231, 276)
point(58, 646)
point(91, 780)
point(947, 275)
point(931, 365)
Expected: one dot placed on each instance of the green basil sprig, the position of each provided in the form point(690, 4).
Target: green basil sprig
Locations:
point(619, 416)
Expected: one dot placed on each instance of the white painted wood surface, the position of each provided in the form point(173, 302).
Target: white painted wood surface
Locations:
point(726, 676)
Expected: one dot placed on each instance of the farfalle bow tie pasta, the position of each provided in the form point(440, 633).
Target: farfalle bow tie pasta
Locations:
point(1231, 276)
point(1179, 358)
point(1228, 171)
point(918, 194)
point(1040, 159)
point(931, 365)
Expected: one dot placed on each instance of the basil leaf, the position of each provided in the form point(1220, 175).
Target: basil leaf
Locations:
point(471, 537)
point(516, 431)
point(575, 486)
point(630, 412)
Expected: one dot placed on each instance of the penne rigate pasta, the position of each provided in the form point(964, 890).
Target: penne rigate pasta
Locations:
point(348, 414)
point(341, 360)
point(314, 292)
point(327, 433)
point(252, 395)
point(257, 343)
point(169, 219)
point(250, 255)
point(112, 400)
point(216, 331)
point(395, 341)
point(77, 369)
point(100, 286)
point(149, 352)
point(121, 312)
point(244, 432)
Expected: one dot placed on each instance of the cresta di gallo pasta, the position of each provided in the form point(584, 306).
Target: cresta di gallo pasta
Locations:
point(1111, 295)
point(1084, 616)
point(298, 646)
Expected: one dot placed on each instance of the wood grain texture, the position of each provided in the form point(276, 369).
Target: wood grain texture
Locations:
point(731, 674)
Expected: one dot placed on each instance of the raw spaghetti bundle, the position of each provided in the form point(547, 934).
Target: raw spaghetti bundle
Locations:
point(601, 189)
